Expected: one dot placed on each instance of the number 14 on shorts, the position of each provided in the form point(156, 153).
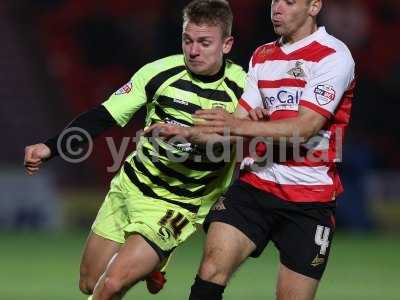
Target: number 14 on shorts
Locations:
point(176, 221)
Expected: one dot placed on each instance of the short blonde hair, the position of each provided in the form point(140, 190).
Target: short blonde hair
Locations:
point(210, 12)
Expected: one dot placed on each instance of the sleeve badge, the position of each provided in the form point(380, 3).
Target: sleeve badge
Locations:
point(324, 94)
point(126, 89)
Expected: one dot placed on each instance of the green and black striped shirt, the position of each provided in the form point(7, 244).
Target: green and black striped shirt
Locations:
point(176, 172)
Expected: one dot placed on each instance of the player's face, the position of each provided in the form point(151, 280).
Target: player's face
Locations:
point(204, 46)
point(291, 16)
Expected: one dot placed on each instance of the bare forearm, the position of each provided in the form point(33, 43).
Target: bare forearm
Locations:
point(205, 137)
point(274, 129)
point(304, 126)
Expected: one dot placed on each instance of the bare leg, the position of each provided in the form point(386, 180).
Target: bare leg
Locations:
point(97, 253)
point(295, 286)
point(226, 248)
point(136, 259)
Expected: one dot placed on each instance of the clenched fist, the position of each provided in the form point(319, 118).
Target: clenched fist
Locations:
point(35, 155)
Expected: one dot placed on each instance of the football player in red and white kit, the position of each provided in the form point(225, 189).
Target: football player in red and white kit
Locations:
point(303, 84)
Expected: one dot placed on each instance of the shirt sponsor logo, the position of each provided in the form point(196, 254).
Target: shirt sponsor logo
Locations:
point(126, 89)
point(181, 102)
point(283, 98)
point(324, 94)
point(173, 122)
point(185, 147)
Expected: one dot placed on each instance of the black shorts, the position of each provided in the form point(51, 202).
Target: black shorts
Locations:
point(301, 232)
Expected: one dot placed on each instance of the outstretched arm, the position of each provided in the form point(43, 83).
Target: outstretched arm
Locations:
point(118, 109)
point(94, 122)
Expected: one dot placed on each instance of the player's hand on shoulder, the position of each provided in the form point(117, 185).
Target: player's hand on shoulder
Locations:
point(258, 114)
point(35, 155)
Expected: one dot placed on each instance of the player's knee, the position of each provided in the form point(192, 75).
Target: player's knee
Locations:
point(85, 287)
point(86, 282)
point(112, 286)
point(208, 270)
point(213, 271)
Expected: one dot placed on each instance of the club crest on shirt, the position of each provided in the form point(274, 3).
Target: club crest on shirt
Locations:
point(125, 89)
point(324, 94)
point(297, 71)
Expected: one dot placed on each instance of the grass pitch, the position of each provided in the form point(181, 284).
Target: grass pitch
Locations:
point(44, 266)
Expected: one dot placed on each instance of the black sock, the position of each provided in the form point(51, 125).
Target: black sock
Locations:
point(205, 290)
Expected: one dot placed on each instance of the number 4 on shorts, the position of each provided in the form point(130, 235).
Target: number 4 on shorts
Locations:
point(322, 238)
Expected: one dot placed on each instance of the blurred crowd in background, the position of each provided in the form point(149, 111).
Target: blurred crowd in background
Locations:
point(62, 57)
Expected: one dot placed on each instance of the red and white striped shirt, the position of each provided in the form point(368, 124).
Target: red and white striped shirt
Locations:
point(316, 72)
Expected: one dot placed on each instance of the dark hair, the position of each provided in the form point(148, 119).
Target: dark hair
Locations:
point(210, 12)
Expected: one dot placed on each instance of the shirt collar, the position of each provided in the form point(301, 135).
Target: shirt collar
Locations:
point(288, 48)
point(210, 78)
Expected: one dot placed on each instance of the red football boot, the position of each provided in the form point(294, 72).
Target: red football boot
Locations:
point(155, 282)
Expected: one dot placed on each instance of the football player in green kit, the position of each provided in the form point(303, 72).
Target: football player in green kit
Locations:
point(155, 202)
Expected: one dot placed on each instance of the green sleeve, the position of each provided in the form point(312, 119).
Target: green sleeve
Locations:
point(126, 101)
point(239, 76)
